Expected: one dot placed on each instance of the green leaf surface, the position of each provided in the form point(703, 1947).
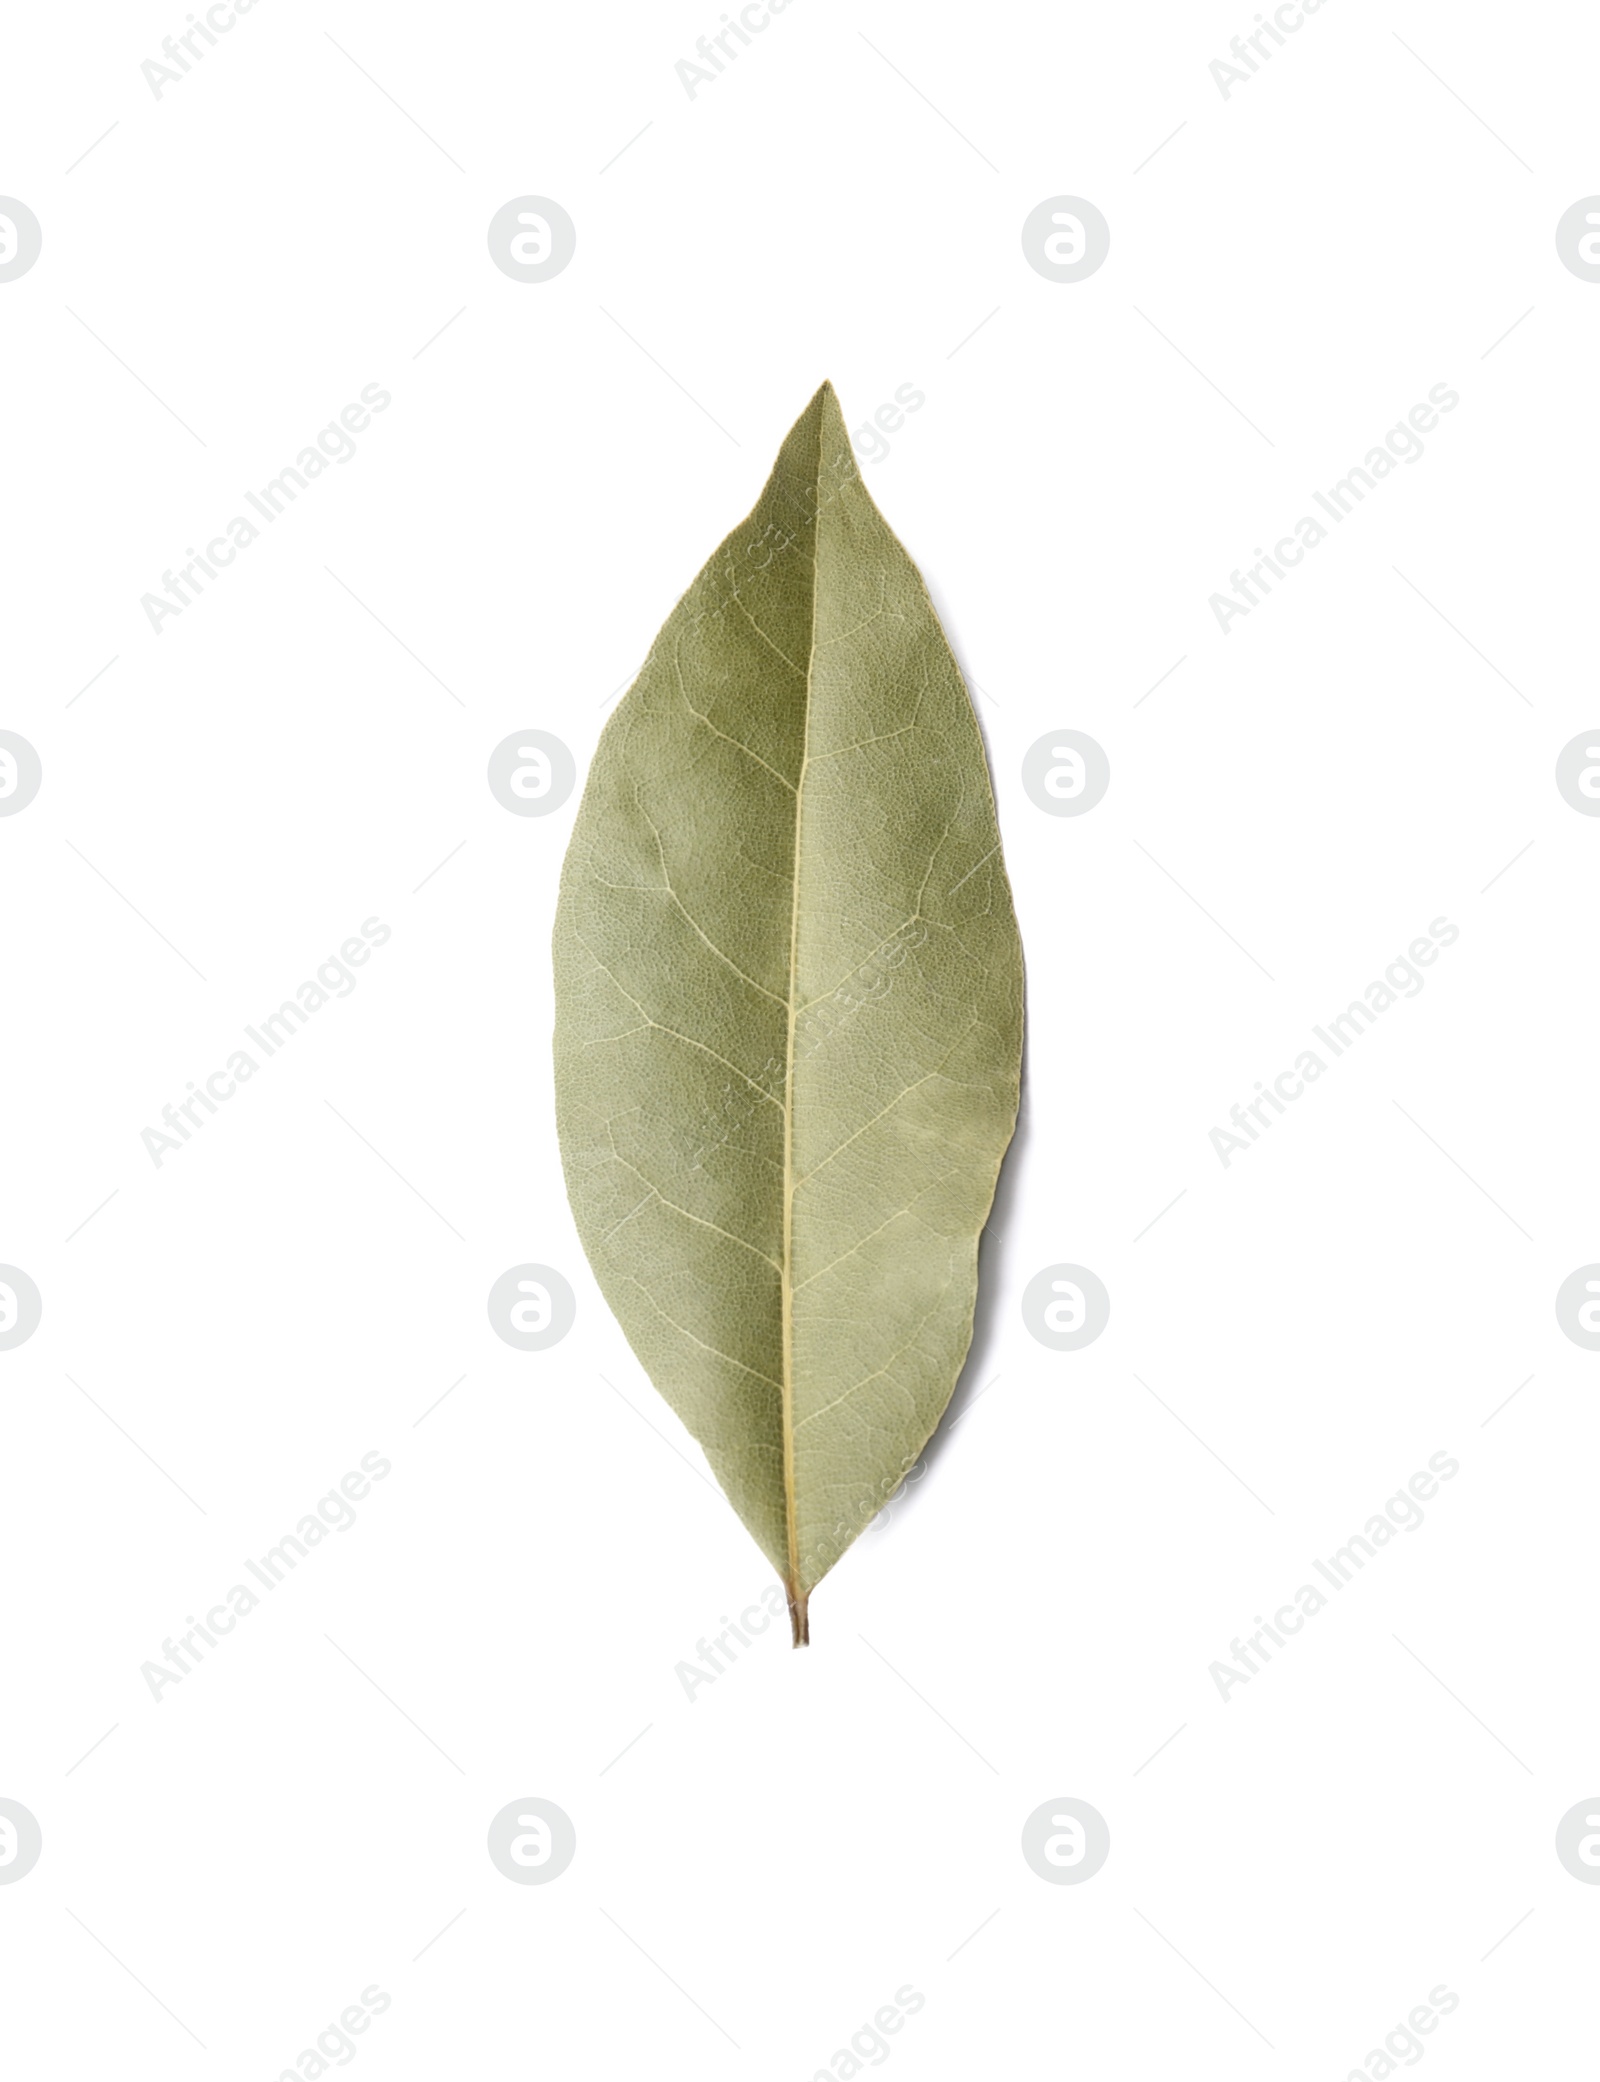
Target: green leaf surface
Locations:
point(788, 1026)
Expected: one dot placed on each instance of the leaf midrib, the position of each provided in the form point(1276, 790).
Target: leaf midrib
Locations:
point(797, 1597)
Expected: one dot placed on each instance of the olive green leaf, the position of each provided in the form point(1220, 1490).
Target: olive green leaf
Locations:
point(788, 1024)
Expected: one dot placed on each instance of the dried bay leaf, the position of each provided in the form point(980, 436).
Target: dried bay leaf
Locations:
point(788, 1023)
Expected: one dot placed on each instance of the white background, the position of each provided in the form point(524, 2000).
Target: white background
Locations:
point(763, 1866)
